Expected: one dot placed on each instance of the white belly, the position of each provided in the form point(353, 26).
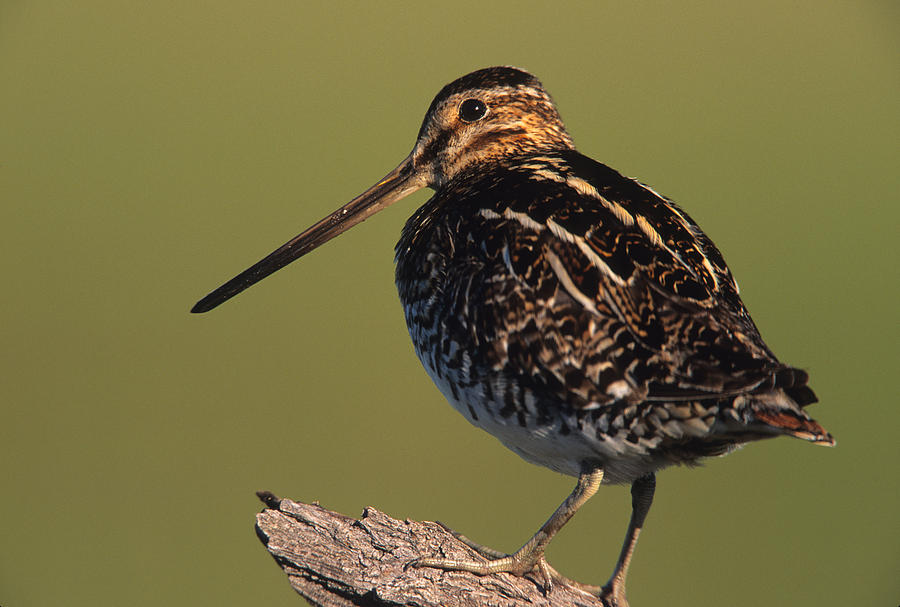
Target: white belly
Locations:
point(546, 444)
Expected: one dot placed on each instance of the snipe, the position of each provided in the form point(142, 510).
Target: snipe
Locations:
point(575, 314)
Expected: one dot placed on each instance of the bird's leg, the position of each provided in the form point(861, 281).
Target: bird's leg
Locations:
point(613, 592)
point(531, 555)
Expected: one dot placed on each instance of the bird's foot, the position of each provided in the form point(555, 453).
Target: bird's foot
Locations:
point(518, 564)
point(524, 561)
point(613, 593)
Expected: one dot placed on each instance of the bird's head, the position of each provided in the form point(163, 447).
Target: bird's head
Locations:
point(485, 117)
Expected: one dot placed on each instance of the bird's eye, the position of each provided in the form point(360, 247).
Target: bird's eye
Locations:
point(471, 110)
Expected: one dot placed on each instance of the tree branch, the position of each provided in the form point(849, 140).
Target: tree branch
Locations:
point(333, 560)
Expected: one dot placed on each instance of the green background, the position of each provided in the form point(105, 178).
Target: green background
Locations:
point(150, 151)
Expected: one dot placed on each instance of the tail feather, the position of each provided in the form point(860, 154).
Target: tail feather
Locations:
point(795, 423)
point(802, 395)
point(794, 382)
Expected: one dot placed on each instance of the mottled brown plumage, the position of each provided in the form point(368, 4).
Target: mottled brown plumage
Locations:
point(575, 314)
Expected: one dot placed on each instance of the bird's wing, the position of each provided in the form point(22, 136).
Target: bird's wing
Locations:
point(647, 307)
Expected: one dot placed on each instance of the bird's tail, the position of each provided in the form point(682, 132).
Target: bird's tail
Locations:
point(782, 409)
point(794, 422)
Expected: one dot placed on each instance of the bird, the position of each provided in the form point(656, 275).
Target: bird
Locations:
point(575, 314)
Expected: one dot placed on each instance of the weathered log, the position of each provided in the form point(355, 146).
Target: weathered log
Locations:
point(334, 560)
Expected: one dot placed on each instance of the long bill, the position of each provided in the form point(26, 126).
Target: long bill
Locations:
point(400, 182)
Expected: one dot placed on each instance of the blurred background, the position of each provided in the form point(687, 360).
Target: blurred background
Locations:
point(150, 151)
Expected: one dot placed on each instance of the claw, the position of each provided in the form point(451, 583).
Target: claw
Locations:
point(544, 570)
point(613, 595)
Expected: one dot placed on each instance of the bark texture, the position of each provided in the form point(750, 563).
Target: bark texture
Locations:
point(333, 560)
